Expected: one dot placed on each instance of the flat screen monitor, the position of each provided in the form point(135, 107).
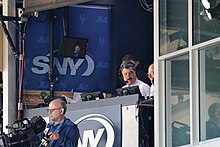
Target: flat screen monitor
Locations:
point(73, 47)
point(92, 96)
point(128, 91)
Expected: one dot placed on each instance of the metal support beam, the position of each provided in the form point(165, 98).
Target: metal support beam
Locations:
point(40, 5)
point(9, 70)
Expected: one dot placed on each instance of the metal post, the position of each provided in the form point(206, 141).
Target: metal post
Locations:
point(51, 73)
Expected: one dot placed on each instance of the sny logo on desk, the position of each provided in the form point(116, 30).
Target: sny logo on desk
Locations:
point(89, 138)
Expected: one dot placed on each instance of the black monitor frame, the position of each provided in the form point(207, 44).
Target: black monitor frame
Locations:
point(128, 91)
point(73, 47)
point(92, 96)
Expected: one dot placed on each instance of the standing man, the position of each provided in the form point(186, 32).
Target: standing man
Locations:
point(128, 71)
point(62, 131)
point(151, 77)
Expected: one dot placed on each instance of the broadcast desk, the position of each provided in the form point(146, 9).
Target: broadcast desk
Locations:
point(115, 122)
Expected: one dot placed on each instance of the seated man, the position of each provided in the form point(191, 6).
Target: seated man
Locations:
point(61, 130)
point(212, 125)
point(128, 71)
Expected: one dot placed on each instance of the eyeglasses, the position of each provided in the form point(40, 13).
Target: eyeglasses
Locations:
point(51, 110)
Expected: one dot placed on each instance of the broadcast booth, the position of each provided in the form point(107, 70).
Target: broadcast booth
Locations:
point(118, 121)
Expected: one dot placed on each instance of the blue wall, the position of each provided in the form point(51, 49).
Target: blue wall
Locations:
point(124, 27)
point(132, 31)
point(74, 74)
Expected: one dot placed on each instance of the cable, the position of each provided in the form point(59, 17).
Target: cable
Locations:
point(20, 96)
point(20, 103)
point(142, 130)
point(146, 6)
point(65, 23)
point(15, 20)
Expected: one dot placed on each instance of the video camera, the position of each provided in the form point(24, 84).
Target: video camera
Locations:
point(24, 133)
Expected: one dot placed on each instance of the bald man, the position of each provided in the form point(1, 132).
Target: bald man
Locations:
point(151, 77)
point(62, 131)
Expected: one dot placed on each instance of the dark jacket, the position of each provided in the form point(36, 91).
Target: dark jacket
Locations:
point(212, 130)
point(69, 135)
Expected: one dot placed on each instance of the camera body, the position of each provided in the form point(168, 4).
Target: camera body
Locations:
point(23, 133)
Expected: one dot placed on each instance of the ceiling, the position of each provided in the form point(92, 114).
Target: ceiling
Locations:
point(39, 5)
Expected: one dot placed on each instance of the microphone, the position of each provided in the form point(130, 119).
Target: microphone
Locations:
point(44, 140)
point(128, 80)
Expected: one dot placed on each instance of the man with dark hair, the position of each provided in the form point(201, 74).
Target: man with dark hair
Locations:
point(212, 125)
point(128, 71)
point(62, 131)
point(140, 70)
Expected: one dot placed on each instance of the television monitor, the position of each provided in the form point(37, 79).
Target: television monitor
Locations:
point(92, 96)
point(73, 47)
point(128, 91)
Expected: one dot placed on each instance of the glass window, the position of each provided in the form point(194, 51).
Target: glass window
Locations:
point(205, 22)
point(177, 101)
point(210, 92)
point(173, 25)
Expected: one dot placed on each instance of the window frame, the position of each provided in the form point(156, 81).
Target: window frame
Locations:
point(160, 83)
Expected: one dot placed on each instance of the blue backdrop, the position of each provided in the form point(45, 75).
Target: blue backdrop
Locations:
point(80, 75)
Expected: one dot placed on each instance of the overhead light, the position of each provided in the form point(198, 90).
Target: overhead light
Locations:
point(205, 4)
point(209, 12)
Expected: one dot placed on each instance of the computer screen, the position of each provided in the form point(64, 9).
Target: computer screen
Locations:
point(73, 47)
point(92, 96)
point(128, 91)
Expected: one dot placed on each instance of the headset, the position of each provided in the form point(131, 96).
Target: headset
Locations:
point(126, 65)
